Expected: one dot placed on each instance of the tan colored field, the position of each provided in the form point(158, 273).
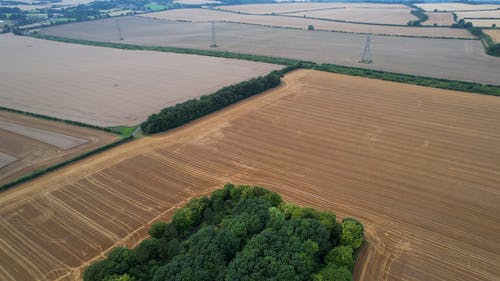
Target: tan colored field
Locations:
point(27, 143)
point(418, 166)
point(484, 23)
point(479, 14)
point(442, 19)
point(371, 15)
point(456, 7)
point(493, 33)
point(204, 15)
point(297, 7)
point(108, 87)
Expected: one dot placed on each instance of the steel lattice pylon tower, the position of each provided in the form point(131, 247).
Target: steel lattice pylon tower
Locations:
point(214, 43)
point(367, 53)
point(118, 29)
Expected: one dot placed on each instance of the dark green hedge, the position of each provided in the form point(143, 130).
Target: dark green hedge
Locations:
point(182, 113)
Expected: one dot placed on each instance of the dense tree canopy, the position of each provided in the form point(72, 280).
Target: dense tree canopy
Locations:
point(239, 233)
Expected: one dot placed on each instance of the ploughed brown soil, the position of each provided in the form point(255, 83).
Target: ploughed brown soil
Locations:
point(418, 166)
point(28, 143)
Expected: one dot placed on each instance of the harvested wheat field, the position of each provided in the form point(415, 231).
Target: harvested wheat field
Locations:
point(457, 7)
point(493, 33)
point(205, 15)
point(439, 18)
point(108, 87)
point(484, 22)
point(28, 143)
point(418, 166)
point(365, 15)
point(285, 8)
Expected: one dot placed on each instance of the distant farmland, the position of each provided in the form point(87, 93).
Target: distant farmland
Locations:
point(494, 33)
point(108, 87)
point(439, 18)
point(28, 143)
point(285, 8)
point(420, 56)
point(204, 15)
point(418, 166)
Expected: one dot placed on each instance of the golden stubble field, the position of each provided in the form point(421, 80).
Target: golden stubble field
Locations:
point(105, 86)
point(283, 8)
point(439, 18)
point(494, 33)
point(418, 166)
point(287, 21)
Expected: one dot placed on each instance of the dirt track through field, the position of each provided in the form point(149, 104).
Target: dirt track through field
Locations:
point(418, 166)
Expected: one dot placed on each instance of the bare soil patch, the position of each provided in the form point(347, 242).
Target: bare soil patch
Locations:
point(371, 15)
point(6, 159)
point(439, 18)
point(442, 58)
point(105, 86)
point(418, 166)
point(61, 141)
point(28, 144)
point(204, 15)
point(494, 33)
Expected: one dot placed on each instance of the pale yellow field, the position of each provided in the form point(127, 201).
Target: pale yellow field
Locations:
point(204, 15)
point(371, 15)
point(484, 23)
point(296, 7)
point(440, 18)
point(456, 7)
point(417, 166)
point(479, 14)
point(493, 33)
point(108, 87)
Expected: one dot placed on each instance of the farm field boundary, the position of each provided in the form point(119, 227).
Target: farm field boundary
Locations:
point(44, 171)
point(448, 84)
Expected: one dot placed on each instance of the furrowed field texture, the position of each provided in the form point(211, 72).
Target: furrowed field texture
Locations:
point(417, 166)
point(108, 87)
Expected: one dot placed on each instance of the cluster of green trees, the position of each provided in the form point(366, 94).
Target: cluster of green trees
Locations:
point(174, 116)
point(462, 24)
point(420, 14)
point(239, 233)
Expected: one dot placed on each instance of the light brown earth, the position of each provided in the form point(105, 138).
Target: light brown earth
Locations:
point(296, 7)
point(371, 15)
point(484, 23)
point(493, 33)
point(457, 7)
point(441, 58)
point(205, 15)
point(418, 166)
point(105, 86)
point(479, 14)
point(439, 18)
point(28, 143)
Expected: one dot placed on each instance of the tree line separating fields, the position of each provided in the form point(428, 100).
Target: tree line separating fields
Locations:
point(44, 171)
point(471, 87)
point(239, 233)
point(51, 118)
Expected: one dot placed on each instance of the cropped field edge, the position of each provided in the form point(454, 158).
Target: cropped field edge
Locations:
point(54, 167)
point(71, 122)
point(471, 87)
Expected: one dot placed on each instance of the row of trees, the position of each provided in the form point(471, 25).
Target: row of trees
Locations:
point(174, 116)
point(239, 233)
point(420, 14)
